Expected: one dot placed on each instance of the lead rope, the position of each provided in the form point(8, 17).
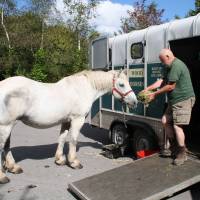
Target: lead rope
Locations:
point(124, 117)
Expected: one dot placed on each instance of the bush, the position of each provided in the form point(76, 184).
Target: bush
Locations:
point(38, 71)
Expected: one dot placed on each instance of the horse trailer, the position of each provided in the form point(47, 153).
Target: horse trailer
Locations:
point(138, 52)
point(140, 127)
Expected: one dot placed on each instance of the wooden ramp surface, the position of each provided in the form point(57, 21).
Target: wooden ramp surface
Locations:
point(151, 178)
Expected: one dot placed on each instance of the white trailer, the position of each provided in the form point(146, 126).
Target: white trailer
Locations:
point(153, 177)
point(138, 52)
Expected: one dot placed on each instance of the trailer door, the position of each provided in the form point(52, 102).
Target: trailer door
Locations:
point(99, 53)
point(136, 58)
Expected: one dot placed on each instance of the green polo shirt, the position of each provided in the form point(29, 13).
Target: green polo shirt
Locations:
point(179, 73)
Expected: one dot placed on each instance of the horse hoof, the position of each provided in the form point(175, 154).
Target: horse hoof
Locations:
point(16, 170)
point(76, 166)
point(4, 180)
point(60, 162)
point(79, 167)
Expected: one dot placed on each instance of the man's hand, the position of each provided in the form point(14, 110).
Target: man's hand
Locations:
point(145, 90)
point(151, 96)
point(154, 86)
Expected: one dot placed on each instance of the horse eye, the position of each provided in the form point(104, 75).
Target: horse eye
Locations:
point(121, 85)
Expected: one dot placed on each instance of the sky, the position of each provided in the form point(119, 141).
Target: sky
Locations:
point(109, 12)
point(172, 7)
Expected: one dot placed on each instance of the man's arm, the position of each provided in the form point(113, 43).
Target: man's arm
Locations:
point(155, 85)
point(167, 88)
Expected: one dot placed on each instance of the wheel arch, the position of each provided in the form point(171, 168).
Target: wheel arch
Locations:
point(141, 125)
point(133, 125)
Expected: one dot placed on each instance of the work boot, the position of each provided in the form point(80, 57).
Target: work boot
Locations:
point(181, 156)
point(165, 153)
point(171, 151)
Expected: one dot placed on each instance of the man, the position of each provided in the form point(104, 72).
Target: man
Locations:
point(178, 86)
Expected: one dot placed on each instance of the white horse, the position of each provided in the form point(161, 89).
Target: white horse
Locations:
point(43, 105)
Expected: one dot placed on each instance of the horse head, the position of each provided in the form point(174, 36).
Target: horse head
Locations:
point(122, 89)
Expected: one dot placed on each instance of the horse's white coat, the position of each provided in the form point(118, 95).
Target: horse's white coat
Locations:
point(66, 102)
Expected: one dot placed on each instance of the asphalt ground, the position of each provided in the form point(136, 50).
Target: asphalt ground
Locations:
point(34, 150)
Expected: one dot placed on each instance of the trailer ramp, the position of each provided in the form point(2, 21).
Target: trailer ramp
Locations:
point(150, 178)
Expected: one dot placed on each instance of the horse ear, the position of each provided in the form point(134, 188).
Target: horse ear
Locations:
point(119, 72)
point(124, 71)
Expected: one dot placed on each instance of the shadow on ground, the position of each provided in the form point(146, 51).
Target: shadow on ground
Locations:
point(45, 151)
point(39, 152)
point(95, 133)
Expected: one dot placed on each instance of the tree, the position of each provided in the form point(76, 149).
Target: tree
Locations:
point(80, 13)
point(142, 16)
point(6, 7)
point(40, 49)
point(42, 8)
point(60, 46)
point(37, 72)
point(24, 29)
point(196, 10)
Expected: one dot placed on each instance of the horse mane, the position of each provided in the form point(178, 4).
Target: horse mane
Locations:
point(100, 80)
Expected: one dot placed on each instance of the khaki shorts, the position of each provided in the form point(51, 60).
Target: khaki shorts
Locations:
point(180, 113)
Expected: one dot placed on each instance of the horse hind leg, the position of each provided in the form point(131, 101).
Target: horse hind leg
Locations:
point(76, 125)
point(4, 136)
point(10, 164)
point(6, 159)
point(60, 158)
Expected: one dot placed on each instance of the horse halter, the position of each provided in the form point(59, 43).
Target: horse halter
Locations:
point(114, 89)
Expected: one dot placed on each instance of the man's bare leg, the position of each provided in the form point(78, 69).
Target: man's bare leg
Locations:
point(181, 155)
point(170, 136)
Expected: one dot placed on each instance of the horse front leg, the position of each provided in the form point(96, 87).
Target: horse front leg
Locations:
point(60, 158)
point(76, 125)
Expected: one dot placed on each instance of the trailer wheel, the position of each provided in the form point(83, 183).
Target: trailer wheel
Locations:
point(142, 141)
point(119, 134)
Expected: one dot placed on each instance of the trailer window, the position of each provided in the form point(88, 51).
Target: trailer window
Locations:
point(137, 50)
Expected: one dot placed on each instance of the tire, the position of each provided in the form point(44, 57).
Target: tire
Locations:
point(143, 141)
point(119, 135)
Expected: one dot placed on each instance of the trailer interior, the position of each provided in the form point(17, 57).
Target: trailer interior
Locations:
point(188, 50)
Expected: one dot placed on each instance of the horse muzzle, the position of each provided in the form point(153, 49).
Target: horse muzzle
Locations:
point(132, 104)
point(131, 100)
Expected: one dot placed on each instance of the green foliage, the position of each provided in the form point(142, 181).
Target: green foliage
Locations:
point(196, 10)
point(40, 57)
point(42, 50)
point(21, 72)
point(143, 96)
point(38, 70)
point(37, 73)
